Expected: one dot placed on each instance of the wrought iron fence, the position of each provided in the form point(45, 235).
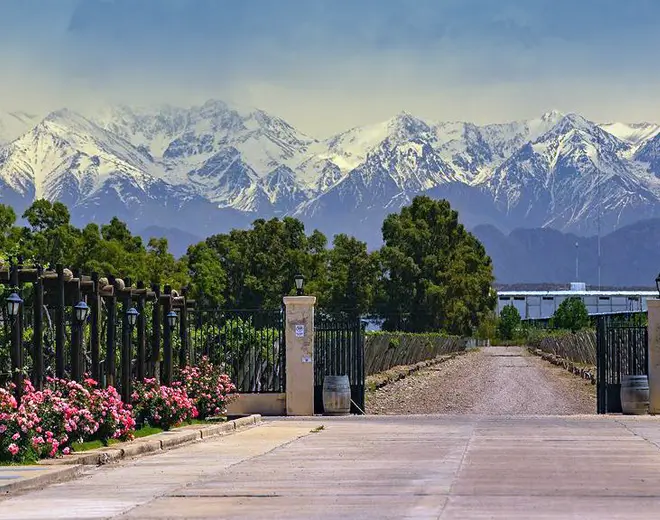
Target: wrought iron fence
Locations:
point(621, 349)
point(339, 350)
point(249, 344)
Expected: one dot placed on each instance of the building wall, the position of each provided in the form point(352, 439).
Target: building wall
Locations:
point(544, 305)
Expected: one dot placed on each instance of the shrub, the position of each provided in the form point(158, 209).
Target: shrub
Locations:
point(209, 388)
point(162, 406)
point(509, 322)
point(572, 314)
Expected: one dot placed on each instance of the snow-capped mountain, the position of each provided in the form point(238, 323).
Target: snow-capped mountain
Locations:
point(198, 166)
point(566, 176)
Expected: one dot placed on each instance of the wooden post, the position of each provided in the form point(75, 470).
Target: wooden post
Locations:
point(16, 339)
point(141, 335)
point(167, 338)
point(38, 341)
point(183, 332)
point(110, 351)
point(59, 323)
point(126, 348)
point(95, 329)
point(154, 365)
point(76, 335)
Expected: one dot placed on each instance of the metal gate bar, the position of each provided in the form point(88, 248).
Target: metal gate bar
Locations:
point(339, 350)
point(621, 349)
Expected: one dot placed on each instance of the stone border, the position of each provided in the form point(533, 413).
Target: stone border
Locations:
point(72, 466)
point(54, 476)
point(377, 381)
point(153, 443)
point(568, 365)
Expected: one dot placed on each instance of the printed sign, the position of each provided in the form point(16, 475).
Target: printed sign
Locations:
point(300, 331)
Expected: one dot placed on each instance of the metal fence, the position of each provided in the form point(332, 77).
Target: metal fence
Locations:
point(249, 344)
point(621, 349)
point(339, 350)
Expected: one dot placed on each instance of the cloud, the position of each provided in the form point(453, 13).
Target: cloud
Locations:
point(329, 64)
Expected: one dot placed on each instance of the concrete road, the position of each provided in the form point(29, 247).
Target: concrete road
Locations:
point(448, 467)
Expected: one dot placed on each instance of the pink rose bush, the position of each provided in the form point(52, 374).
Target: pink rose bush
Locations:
point(162, 406)
point(47, 422)
point(210, 389)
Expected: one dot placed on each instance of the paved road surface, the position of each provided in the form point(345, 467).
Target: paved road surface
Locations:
point(382, 467)
point(489, 381)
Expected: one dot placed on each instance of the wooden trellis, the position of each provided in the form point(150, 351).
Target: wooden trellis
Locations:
point(105, 341)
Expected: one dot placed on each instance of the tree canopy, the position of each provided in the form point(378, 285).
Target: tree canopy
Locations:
point(434, 269)
point(572, 314)
point(429, 269)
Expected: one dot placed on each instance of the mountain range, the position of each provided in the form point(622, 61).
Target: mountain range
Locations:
point(199, 170)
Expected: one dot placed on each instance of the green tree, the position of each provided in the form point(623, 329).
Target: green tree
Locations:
point(508, 323)
point(352, 277)
point(261, 262)
point(44, 215)
point(434, 271)
point(207, 276)
point(572, 314)
point(51, 239)
point(7, 221)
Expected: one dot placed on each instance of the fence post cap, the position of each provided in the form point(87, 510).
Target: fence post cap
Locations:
point(299, 300)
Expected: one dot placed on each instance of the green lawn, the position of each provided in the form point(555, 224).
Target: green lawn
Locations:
point(145, 431)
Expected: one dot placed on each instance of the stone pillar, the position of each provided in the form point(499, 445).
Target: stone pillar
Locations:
point(654, 355)
point(299, 336)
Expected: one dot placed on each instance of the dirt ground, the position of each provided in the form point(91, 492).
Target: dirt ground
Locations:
point(488, 381)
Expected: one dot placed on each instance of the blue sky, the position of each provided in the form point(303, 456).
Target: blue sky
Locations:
point(329, 64)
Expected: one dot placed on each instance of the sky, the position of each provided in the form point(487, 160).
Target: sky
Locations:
point(327, 65)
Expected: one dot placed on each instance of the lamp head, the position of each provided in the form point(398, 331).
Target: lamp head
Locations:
point(82, 311)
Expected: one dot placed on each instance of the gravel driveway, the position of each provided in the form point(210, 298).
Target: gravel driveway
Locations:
point(489, 381)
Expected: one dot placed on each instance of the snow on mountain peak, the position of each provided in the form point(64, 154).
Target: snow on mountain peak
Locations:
point(552, 116)
point(244, 158)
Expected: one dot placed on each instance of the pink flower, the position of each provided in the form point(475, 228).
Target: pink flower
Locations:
point(16, 436)
point(13, 449)
point(66, 450)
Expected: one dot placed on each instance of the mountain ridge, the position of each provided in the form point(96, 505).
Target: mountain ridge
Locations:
point(557, 170)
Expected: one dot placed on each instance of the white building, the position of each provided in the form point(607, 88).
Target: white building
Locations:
point(543, 304)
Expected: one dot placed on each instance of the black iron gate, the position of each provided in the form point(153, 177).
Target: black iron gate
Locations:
point(248, 344)
point(621, 349)
point(339, 350)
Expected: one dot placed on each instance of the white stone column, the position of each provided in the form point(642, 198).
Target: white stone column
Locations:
point(654, 355)
point(299, 336)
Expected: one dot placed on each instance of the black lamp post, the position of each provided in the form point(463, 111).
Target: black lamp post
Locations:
point(300, 282)
point(14, 302)
point(657, 284)
point(130, 317)
point(81, 311)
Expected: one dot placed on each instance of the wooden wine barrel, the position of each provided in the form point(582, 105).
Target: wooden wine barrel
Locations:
point(336, 395)
point(635, 395)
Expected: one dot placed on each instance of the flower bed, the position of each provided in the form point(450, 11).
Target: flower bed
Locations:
point(211, 390)
point(47, 422)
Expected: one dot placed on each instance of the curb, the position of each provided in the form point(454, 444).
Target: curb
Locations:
point(564, 363)
point(52, 477)
point(154, 443)
point(395, 374)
